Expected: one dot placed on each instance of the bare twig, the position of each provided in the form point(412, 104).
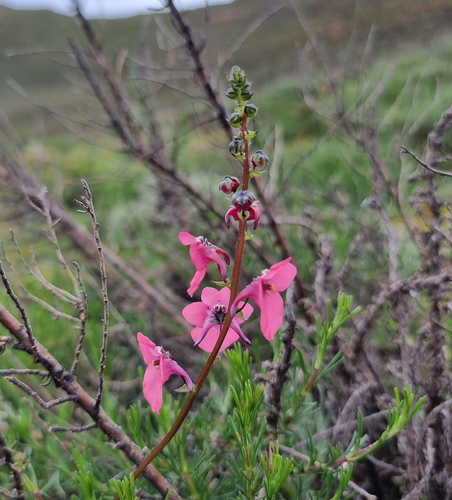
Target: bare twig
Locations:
point(83, 428)
point(63, 379)
point(45, 404)
point(88, 206)
point(83, 318)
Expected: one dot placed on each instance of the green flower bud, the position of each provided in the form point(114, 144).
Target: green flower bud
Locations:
point(229, 184)
point(250, 110)
point(246, 95)
point(259, 159)
point(237, 75)
point(235, 120)
point(236, 147)
point(231, 94)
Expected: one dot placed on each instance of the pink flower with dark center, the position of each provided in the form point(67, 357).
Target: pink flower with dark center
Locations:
point(252, 213)
point(160, 366)
point(208, 317)
point(202, 252)
point(244, 207)
point(264, 290)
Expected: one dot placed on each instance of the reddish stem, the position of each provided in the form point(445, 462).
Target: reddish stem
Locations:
point(227, 323)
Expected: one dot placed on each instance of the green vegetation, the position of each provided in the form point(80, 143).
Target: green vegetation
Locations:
point(322, 188)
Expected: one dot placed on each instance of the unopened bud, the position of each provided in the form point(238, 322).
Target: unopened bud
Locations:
point(259, 159)
point(236, 147)
point(237, 75)
point(229, 184)
point(235, 120)
point(242, 200)
point(250, 110)
point(246, 95)
point(231, 94)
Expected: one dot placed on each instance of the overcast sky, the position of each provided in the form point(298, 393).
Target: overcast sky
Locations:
point(104, 8)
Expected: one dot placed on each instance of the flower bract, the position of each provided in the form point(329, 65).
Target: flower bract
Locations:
point(264, 290)
point(202, 252)
point(160, 366)
point(209, 315)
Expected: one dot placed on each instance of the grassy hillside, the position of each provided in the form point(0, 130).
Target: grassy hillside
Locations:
point(35, 49)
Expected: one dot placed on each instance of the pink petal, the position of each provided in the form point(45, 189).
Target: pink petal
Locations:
point(187, 239)
point(251, 291)
point(224, 254)
point(272, 312)
point(152, 387)
point(256, 211)
point(211, 339)
point(280, 275)
point(235, 326)
point(221, 265)
point(148, 348)
point(195, 313)
point(201, 255)
point(196, 281)
point(223, 296)
point(170, 367)
point(232, 212)
point(246, 311)
point(210, 296)
point(206, 327)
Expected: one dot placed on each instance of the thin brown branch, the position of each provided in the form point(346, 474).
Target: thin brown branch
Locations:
point(44, 404)
point(83, 318)
point(65, 381)
point(23, 371)
point(88, 206)
point(83, 428)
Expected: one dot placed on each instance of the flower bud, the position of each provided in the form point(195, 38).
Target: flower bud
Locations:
point(229, 184)
point(231, 94)
point(237, 75)
point(246, 95)
point(236, 147)
point(250, 110)
point(235, 120)
point(259, 159)
point(242, 200)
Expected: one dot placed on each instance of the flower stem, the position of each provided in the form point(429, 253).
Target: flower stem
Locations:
point(227, 323)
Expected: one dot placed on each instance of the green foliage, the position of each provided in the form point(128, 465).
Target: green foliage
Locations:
point(277, 470)
point(125, 488)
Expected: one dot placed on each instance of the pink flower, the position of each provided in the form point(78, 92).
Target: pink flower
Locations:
point(202, 252)
point(252, 213)
point(264, 291)
point(244, 206)
point(208, 317)
point(160, 366)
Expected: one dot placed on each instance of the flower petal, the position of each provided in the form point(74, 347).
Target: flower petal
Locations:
point(272, 312)
point(224, 254)
point(170, 367)
point(251, 291)
point(187, 238)
point(206, 327)
point(210, 296)
point(152, 388)
point(281, 275)
point(148, 348)
point(211, 339)
point(196, 312)
point(196, 281)
point(256, 211)
point(235, 326)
